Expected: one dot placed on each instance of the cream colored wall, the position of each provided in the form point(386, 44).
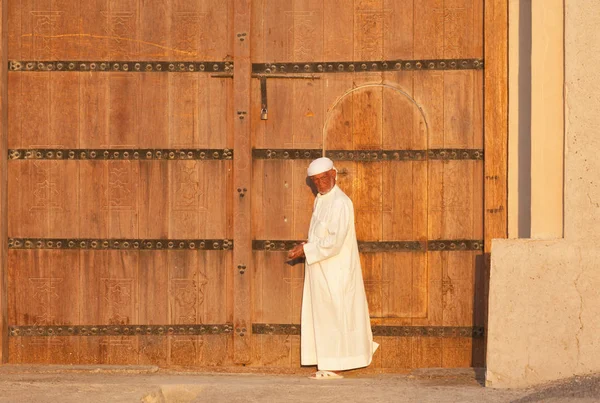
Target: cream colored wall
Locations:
point(544, 306)
point(547, 119)
point(536, 119)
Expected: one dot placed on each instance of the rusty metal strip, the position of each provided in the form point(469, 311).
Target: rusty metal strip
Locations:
point(121, 154)
point(367, 66)
point(104, 66)
point(389, 331)
point(286, 154)
point(119, 330)
point(455, 154)
point(408, 246)
point(123, 244)
point(454, 245)
point(405, 155)
point(376, 155)
point(371, 155)
point(385, 246)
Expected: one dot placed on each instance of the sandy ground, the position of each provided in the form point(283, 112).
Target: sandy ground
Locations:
point(149, 385)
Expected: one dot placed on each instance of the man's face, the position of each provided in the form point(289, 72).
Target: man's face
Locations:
point(324, 182)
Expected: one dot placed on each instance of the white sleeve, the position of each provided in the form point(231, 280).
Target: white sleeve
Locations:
point(331, 244)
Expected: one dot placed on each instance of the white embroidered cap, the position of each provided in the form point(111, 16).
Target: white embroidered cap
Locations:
point(319, 166)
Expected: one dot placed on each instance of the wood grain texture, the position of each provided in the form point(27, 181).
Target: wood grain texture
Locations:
point(242, 177)
point(114, 199)
point(4, 40)
point(394, 201)
point(496, 120)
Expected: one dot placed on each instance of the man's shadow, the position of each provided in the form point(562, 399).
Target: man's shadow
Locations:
point(314, 191)
point(312, 186)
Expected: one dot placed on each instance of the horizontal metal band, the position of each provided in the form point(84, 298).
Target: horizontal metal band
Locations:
point(120, 330)
point(456, 245)
point(390, 331)
point(370, 155)
point(382, 246)
point(104, 66)
point(126, 244)
point(286, 154)
point(367, 66)
point(120, 154)
point(405, 155)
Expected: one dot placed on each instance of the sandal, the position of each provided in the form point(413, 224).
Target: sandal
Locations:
point(325, 375)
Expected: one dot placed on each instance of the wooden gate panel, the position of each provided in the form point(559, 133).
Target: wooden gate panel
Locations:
point(441, 111)
point(118, 108)
point(154, 305)
point(44, 291)
point(43, 199)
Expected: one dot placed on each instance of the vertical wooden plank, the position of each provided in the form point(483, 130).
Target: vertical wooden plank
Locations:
point(213, 100)
point(183, 110)
point(154, 199)
point(214, 270)
point(109, 293)
point(307, 97)
point(94, 25)
point(368, 30)
point(92, 350)
point(458, 29)
point(429, 93)
point(94, 110)
point(93, 199)
point(458, 109)
point(153, 305)
point(23, 267)
point(3, 181)
point(121, 203)
point(257, 37)
point(64, 22)
point(339, 112)
point(496, 120)
point(153, 111)
point(123, 111)
point(398, 35)
point(14, 34)
point(122, 19)
point(14, 113)
point(214, 215)
point(338, 26)
point(63, 124)
point(242, 176)
point(120, 293)
point(278, 19)
point(35, 104)
point(187, 199)
point(186, 288)
point(217, 30)
point(401, 117)
point(155, 20)
point(429, 31)
point(59, 284)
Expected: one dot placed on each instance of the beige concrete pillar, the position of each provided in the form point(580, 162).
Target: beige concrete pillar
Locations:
point(547, 118)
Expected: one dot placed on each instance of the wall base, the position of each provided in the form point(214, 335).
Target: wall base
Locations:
point(544, 307)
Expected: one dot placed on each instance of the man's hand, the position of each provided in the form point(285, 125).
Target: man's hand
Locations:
point(296, 252)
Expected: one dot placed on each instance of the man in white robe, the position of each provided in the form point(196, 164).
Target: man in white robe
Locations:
point(335, 330)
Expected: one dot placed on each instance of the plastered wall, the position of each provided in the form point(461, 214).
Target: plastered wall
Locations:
point(544, 312)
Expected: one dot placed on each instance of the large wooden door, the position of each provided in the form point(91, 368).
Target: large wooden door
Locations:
point(157, 175)
point(120, 182)
point(392, 91)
